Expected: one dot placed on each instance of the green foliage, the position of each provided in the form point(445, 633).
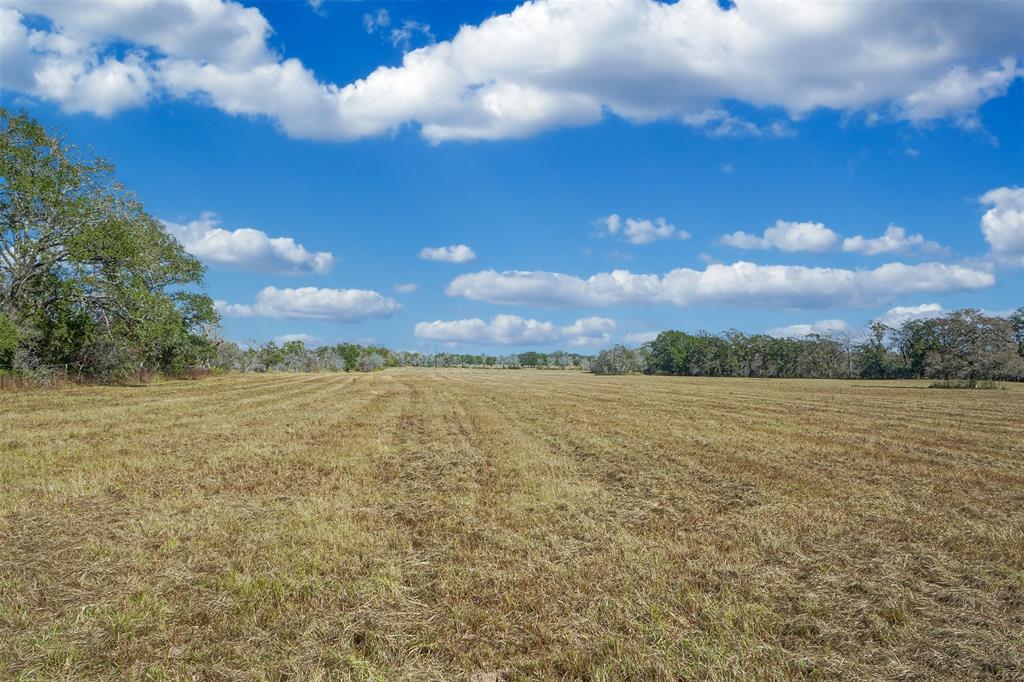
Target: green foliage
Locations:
point(964, 344)
point(349, 352)
point(532, 359)
point(8, 342)
point(914, 342)
point(873, 355)
point(96, 282)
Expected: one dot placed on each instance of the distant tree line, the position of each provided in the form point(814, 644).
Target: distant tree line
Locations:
point(296, 356)
point(965, 344)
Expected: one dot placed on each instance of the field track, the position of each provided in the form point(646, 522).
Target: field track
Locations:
point(426, 524)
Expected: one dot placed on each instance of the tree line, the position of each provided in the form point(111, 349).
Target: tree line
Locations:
point(965, 344)
point(296, 356)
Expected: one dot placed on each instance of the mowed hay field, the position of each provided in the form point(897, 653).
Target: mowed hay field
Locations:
point(429, 524)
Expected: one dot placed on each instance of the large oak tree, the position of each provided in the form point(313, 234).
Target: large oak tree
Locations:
point(87, 278)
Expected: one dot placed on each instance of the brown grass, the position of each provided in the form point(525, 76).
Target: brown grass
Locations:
point(426, 524)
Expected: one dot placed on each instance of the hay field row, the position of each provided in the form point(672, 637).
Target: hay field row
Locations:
point(427, 524)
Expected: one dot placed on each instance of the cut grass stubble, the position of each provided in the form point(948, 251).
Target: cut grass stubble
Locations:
point(425, 524)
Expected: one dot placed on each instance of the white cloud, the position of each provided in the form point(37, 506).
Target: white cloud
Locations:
point(402, 36)
point(798, 331)
point(638, 338)
point(959, 93)
point(815, 237)
point(545, 64)
point(376, 20)
point(894, 317)
point(720, 123)
point(458, 253)
point(587, 331)
point(399, 36)
point(640, 230)
point(304, 338)
point(786, 236)
point(247, 248)
point(103, 88)
point(740, 284)
point(895, 240)
point(512, 329)
point(341, 305)
point(406, 288)
point(1003, 224)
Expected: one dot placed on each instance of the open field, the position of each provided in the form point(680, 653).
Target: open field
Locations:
point(425, 524)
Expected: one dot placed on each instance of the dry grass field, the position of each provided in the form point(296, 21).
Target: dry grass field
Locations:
point(427, 524)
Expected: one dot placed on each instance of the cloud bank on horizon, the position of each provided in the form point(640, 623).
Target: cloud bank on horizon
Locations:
point(741, 283)
point(546, 64)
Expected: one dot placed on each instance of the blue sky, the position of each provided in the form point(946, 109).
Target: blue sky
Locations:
point(246, 116)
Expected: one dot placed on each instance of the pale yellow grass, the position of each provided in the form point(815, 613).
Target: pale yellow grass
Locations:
point(426, 524)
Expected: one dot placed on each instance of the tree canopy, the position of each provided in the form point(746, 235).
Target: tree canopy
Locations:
point(88, 279)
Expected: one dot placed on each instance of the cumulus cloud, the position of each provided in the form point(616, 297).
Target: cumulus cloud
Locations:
point(959, 93)
point(247, 248)
point(340, 305)
point(639, 230)
point(458, 253)
point(406, 288)
point(543, 65)
point(895, 240)
point(74, 59)
point(740, 284)
point(894, 317)
point(786, 236)
point(1003, 224)
point(823, 327)
point(512, 329)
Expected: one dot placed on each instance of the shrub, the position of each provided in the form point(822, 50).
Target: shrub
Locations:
point(615, 360)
